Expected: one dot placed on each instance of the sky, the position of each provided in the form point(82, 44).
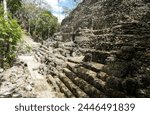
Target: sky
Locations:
point(57, 7)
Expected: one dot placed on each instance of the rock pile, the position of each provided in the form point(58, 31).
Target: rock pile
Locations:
point(16, 83)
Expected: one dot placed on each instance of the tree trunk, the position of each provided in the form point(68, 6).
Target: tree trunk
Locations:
point(48, 33)
point(5, 9)
point(29, 29)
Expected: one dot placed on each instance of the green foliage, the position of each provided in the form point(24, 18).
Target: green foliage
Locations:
point(1, 10)
point(47, 24)
point(10, 34)
point(40, 23)
point(14, 5)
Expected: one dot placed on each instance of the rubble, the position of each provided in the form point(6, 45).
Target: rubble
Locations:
point(14, 81)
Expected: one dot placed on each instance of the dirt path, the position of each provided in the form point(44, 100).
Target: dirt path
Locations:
point(32, 66)
point(41, 88)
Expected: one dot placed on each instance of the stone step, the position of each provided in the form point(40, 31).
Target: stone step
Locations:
point(101, 31)
point(57, 62)
point(97, 55)
point(96, 67)
point(124, 38)
point(109, 34)
point(69, 48)
point(85, 86)
point(135, 32)
point(86, 50)
point(59, 57)
point(43, 53)
point(87, 75)
point(44, 50)
point(100, 38)
point(54, 72)
point(103, 36)
point(61, 51)
point(103, 76)
point(52, 82)
point(42, 57)
point(130, 37)
point(76, 60)
point(69, 45)
point(131, 25)
point(93, 43)
point(108, 45)
point(111, 93)
point(37, 57)
point(72, 87)
point(64, 89)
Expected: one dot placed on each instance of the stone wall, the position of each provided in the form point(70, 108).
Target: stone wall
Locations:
point(100, 14)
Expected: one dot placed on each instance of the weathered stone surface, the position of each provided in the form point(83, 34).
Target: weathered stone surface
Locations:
point(114, 93)
point(52, 82)
point(102, 14)
point(130, 86)
point(102, 75)
point(90, 77)
point(114, 83)
point(1, 70)
point(16, 95)
point(92, 91)
point(64, 89)
point(14, 81)
point(75, 59)
point(28, 88)
point(116, 35)
point(73, 88)
point(96, 67)
point(118, 69)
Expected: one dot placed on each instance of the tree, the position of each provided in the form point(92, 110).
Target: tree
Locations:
point(14, 5)
point(10, 34)
point(37, 20)
point(39, 3)
point(47, 25)
point(5, 9)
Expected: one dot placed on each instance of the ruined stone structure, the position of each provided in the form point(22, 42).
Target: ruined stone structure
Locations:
point(119, 66)
point(101, 51)
point(117, 35)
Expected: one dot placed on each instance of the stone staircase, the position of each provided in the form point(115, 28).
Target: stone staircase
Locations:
point(120, 60)
point(71, 75)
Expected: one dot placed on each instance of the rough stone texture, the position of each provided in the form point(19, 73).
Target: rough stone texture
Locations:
point(102, 50)
point(100, 14)
point(15, 82)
